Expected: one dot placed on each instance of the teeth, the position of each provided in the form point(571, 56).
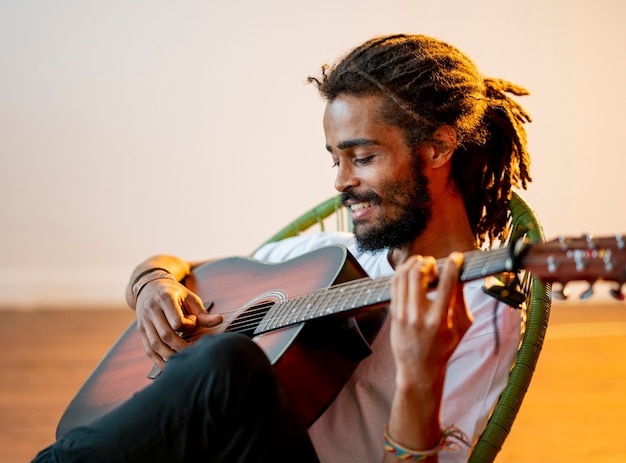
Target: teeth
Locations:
point(356, 207)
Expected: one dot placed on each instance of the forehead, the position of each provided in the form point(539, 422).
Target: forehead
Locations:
point(351, 110)
point(349, 117)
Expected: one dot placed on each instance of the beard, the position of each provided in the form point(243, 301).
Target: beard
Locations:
point(413, 202)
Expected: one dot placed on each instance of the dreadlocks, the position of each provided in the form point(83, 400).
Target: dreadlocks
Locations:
point(425, 84)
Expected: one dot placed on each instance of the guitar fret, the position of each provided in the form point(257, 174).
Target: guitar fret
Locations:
point(310, 309)
point(338, 302)
point(480, 264)
point(357, 292)
point(285, 310)
point(312, 303)
point(274, 315)
point(348, 292)
point(328, 308)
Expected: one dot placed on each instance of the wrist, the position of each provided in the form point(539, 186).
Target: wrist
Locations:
point(148, 276)
point(450, 438)
point(422, 382)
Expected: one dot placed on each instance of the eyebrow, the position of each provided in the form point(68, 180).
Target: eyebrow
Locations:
point(353, 142)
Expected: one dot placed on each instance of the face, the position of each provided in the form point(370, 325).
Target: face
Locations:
point(381, 180)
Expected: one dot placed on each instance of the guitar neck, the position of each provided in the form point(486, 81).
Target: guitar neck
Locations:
point(366, 294)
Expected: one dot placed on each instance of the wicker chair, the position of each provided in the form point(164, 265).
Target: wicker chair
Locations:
point(536, 310)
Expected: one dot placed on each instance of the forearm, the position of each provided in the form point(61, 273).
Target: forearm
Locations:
point(424, 334)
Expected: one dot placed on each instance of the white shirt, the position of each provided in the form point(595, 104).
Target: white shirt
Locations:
point(351, 429)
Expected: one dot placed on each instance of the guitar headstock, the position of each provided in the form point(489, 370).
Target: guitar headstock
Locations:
point(583, 258)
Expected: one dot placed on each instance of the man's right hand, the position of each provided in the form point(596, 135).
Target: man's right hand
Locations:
point(165, 308)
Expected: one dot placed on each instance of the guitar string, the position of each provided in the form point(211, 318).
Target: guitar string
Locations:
point(249, 321)
point(252, 317)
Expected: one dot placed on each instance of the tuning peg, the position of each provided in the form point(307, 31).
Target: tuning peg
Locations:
point(561, 293)
point(617, 292)
point(588, 292)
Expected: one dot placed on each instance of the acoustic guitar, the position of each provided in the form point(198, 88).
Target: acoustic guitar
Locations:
point(315, 316)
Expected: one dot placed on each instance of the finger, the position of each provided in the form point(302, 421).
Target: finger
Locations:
point(449, 279)
point(154, 348)
point(424, 274)
point(419, 273)
point(400, 285)
point(194, 306)
point(178, 319)
point(166, 338)
point(208, 320)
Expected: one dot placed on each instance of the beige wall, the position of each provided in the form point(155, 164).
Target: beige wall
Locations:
point(142, 127)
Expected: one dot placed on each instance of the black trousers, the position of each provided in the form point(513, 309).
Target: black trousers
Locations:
point(216, 401)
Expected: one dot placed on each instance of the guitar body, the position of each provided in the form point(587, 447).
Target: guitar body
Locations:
point(313, 359)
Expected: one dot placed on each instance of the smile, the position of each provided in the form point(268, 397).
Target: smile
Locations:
point(358, 206)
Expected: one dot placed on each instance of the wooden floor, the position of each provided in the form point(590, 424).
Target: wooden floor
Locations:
point(575, 409)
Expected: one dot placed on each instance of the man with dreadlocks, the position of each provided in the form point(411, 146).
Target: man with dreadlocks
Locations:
point(426, 151)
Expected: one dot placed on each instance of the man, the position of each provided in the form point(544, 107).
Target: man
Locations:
point(426, 152)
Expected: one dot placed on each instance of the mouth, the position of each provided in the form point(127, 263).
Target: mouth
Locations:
point(360, 211)
point(358, 206)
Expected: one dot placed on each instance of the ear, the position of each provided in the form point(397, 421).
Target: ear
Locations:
point(439, 150)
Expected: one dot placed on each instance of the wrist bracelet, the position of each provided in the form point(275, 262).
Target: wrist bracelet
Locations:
point(144, 273)
point(449, 440)
point(146, 277)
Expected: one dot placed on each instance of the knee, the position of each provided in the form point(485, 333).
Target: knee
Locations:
point(223, 354)
point(227, 368)
point(229, 349)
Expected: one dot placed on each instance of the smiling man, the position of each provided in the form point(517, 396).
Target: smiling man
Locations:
point(391, 187)
point(426, 151)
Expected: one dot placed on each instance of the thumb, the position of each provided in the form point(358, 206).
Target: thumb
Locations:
point(201, 316)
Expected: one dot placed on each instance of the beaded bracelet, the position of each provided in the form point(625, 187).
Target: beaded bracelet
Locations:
point(447, 441)
point(146, 277)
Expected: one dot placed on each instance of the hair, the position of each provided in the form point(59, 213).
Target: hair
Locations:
point(425, 84)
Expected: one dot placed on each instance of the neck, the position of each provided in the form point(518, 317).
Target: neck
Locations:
point(448, 230)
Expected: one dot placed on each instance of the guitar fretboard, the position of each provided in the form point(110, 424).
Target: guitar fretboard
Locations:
point(366, 293)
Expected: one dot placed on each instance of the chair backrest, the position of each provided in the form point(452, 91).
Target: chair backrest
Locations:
point(316, 217)
point(536, 313)
point(524, 223)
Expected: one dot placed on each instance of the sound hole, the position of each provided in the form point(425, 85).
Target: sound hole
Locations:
point(248, 319)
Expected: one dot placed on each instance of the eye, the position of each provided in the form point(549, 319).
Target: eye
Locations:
point(365, 160)
point(334, 164)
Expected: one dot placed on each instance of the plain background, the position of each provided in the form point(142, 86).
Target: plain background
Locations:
point(130, 128)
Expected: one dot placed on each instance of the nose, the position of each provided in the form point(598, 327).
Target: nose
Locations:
point(346, 178)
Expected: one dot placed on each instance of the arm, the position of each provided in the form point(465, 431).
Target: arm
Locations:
point(164, 306)
point(424, 334)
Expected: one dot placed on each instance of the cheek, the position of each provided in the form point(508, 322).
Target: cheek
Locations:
point(402, 192)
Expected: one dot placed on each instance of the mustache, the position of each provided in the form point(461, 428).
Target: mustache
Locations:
point(366, 196)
